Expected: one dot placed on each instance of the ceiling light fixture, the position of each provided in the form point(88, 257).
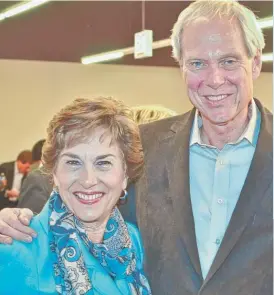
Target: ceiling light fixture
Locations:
point(14, 10)
point(263, 23)
point(268, 57)
point(102, 57)
point(120, 53)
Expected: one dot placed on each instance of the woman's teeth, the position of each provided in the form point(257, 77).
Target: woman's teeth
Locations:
point(88, 197)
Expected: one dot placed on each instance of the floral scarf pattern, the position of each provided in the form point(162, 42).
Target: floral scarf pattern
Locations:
point(115, 254)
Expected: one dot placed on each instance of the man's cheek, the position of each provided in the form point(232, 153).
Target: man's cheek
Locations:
point(193, 81)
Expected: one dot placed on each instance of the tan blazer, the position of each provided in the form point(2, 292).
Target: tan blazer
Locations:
point(243, 264)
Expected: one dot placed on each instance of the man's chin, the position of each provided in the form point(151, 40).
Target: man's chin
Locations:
point(219, 120)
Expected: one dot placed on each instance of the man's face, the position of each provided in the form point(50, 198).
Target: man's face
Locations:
point(23, 168)
point(218, 73)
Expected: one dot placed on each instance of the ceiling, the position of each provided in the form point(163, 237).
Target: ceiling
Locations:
point(67, 30)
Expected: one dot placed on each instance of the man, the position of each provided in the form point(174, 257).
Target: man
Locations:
point(36, 153)
point(204, 203)
point(15, 173)
point(37, 186)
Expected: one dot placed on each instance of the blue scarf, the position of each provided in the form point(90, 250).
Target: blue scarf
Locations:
point(115, 253)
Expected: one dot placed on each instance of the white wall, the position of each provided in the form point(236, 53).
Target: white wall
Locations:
point(31, 92)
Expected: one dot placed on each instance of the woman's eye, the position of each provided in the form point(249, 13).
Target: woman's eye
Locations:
point(104, 164)
point(73, 162)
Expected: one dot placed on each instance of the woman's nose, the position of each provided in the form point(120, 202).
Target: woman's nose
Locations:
point(88, 177)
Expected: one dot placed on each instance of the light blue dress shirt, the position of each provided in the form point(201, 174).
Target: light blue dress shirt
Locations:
point(216, 181)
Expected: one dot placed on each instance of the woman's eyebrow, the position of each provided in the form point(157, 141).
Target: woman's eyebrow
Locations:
point(104, 156)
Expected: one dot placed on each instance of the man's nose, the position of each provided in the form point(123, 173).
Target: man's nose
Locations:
point(215, 78)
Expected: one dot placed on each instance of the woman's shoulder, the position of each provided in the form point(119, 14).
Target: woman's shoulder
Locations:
point(20, 252)
point(20, 261)
point(17, 262)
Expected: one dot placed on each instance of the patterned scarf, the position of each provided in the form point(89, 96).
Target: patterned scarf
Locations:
point(115, 253)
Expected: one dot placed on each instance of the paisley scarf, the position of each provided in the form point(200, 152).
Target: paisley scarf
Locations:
point(115, 253)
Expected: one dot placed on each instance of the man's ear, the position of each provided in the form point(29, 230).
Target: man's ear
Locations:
point(256, 65)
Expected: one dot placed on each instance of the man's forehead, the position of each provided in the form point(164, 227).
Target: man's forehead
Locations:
point(214, 39)
point(215, 28)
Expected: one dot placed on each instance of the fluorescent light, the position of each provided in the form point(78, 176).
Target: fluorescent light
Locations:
point(102, 57)
point(267, 57)
point(265, 22)
point(21, 8)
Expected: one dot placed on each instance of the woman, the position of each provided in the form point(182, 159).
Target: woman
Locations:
point(83, 246)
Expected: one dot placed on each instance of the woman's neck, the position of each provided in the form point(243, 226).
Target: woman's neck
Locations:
point(95, 230)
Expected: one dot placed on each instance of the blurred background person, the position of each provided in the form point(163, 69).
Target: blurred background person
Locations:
point(149, 113)
point(37, 155)
point(142, 114)
point(14, 174)
point(37, 186)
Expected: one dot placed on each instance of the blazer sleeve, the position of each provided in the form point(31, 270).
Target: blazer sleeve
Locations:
point(35, 192)
point(18, 271)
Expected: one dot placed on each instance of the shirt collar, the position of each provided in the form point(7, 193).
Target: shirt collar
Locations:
point(248, 133)
point(16, 171)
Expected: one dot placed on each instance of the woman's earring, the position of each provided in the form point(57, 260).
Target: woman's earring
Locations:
point(123, 198)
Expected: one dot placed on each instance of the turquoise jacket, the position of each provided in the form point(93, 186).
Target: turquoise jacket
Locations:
point(26, 269)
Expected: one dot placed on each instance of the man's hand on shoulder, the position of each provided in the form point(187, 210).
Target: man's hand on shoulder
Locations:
point(14, 224)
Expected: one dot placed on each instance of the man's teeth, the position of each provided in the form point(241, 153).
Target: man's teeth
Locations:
point(89, 197)
point(216, 97)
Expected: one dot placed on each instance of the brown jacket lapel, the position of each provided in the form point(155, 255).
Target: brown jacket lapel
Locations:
point(177, 164)
point(258, 180)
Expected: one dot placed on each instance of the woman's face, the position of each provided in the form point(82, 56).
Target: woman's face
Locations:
point(91, 177)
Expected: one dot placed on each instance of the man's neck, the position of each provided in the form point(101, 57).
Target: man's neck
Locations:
point(219, 135)
point(16, 170)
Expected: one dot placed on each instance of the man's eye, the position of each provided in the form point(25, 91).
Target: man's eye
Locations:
point(229, 63)
point(196, 65)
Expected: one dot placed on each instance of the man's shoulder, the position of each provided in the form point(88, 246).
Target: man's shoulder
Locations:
point(266, 112)
point(158, 129)
point(267, 117)
point(37, 173)
point(165, 123)
point(7, 165)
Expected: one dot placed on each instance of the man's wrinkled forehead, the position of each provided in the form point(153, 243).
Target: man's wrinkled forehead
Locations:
point(205, 32)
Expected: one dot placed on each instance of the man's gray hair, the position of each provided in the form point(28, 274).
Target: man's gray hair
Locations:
point(208, 9)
